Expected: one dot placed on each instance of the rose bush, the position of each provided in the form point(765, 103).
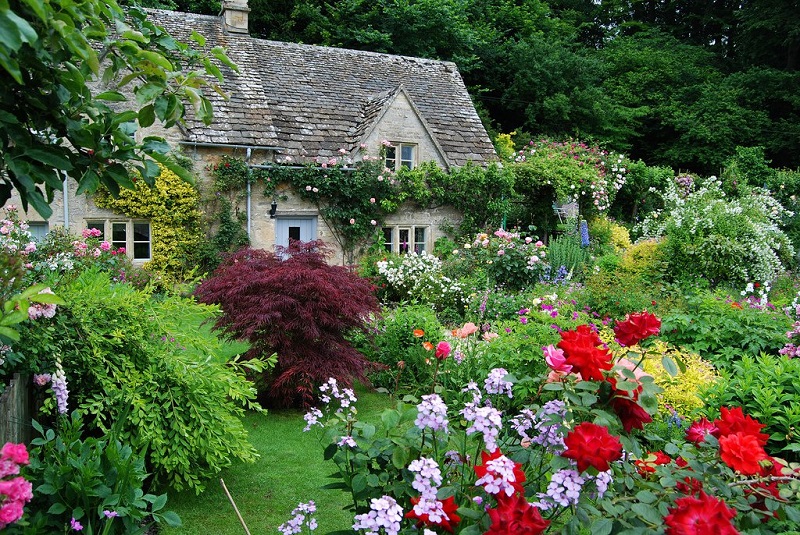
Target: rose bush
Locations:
point(577, 456)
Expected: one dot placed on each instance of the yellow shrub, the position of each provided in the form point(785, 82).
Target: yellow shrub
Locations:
point(644, 257)
point(680, 392)
point(620, 237)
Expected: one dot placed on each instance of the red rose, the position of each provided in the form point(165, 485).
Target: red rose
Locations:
point(592, 445)
point(636, 328)
point(742, 452)
point(449, 518)
point(735, 421)
point(630, 413)
point(701, 515)
point(689, 485)
point(699, 429)
point(515, 515)
point(648, 465)
point(585, 352)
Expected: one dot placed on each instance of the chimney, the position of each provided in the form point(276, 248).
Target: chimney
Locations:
point(235, 16)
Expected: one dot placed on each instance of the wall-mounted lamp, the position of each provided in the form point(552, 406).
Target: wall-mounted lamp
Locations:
point(272, 209)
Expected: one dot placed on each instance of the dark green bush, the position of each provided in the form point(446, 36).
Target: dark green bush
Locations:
point(722, 330)
point(765, 386)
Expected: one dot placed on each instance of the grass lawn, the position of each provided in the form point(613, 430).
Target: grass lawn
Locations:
point(290, 470)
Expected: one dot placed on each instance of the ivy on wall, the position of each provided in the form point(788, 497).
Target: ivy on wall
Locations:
point(172, 206)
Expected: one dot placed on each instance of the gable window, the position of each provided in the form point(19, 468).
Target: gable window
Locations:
point(133, 236)
point(402, 239)
point(401, 155)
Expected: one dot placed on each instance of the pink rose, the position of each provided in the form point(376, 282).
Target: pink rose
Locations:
point(442, 350)
point(554, 357)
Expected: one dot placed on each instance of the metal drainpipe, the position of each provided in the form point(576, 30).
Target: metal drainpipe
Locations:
point(65, 186)
point(247, 162)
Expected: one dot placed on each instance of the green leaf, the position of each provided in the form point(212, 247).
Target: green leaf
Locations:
point(159, 502)
point(645, 496)
point(197, 38)
point(172, 519)
point(647, 512)
point(219, 53)
point(399, 458)
point(147, 116)
point(669, 365)
point(112, 96)
point(602, 526)
point(50, 156)
point(152, 144)
point(9, 333)
point(148, 92)
point(390, 418)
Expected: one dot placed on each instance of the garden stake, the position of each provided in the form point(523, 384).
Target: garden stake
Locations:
point(228, 494)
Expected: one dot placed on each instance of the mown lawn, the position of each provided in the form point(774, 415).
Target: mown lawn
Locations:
point(290, 470)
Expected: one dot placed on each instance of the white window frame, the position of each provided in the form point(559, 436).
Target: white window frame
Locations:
point(411, 232)
point(130, 242)
point(408, 161)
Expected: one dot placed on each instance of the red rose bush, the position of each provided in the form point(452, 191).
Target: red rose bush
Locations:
point(577, 455)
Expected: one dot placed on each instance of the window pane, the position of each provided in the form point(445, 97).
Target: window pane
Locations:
point(404, 235)
point(119, 234)
point(141, 232)
point(387, 238)
point(419, 239)
point(38, 230)
point(391, 157)
point(407, 156)
point(294, 233)
point(141, 251)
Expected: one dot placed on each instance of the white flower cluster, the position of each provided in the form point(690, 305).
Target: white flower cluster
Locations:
point(419, 278)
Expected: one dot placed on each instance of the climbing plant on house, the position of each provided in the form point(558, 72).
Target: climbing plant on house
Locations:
point(172, 207)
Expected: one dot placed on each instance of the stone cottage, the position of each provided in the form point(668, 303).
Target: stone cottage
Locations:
point(292, 103)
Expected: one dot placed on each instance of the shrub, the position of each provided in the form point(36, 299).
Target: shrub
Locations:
point(128, 367)
point(766, 387)
point(509, 260)
point(721, 239)
point(683, 391)
point(172, 206)
point(418, 278)
point(394, 344)
point(723, 330)
point(566, 251)
point(300, 308)
point(97, 482)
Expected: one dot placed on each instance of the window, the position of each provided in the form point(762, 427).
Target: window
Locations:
point(134, 236)
point(404, 239)
point(38, 229)
point(401, 155)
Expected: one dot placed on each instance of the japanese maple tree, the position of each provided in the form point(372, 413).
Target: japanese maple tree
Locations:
point(294, 304)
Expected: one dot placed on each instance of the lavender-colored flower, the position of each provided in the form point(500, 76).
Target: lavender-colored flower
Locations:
point(458, 356)
point(110, 514)
point(495, 383)
point(302, 514)
point(427, 476)
point(432, 413)
point(564, 489)
point(312, 418)
point(584, 231)
point(499, 477)
point(347, 440)
point(59, 387)
point(75, 525)
point(488, 421)
point(601, 481)
point(384, 513)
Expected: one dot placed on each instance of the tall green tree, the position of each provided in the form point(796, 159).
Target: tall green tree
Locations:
point(52, 123)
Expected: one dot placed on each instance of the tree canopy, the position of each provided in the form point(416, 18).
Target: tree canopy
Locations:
point(76, 82)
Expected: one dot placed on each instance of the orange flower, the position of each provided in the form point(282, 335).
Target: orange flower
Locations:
point(419, 333)
point(427, 345)
point(736, 305)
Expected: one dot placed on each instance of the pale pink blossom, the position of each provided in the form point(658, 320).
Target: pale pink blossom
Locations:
point(554, 357)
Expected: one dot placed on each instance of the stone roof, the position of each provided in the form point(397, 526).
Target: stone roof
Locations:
point(311, 101)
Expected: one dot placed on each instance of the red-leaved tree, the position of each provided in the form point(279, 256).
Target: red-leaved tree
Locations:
point(298, 307)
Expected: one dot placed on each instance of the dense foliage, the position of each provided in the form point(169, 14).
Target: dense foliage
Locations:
point(298, 307)
point(66, 128)
point(127, 368)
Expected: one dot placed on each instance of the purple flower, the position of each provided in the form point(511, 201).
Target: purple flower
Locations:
point(312, 418)
point(59, 387)
point(564, 489)
point(384, 513)
point(75, 525)
point(495, 383)
point(347, 440)
point(110, 514)
point(432, 413)
point(487, 420)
